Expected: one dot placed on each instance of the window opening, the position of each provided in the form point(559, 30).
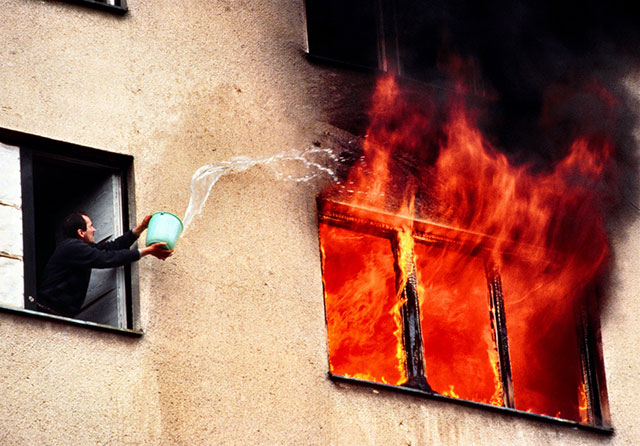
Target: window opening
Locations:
point(400, 37)
point(420, 309)
point(46, 180)
point(61, 186)
point(344, 32)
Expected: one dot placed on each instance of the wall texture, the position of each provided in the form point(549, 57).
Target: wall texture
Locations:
point(234, 350)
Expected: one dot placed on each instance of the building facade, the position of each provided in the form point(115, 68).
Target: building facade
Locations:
point(226, 341)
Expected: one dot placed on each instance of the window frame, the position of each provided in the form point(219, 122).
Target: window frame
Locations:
point(342, 215)
point(119, 7)
point(123, 164)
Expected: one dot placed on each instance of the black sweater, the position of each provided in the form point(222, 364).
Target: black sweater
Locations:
point(66, 276)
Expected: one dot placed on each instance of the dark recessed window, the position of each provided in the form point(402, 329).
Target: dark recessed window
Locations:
point(402, 37)
point(344, 32)
point(46, 180)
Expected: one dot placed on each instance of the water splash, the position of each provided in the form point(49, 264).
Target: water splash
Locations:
point(308, 164)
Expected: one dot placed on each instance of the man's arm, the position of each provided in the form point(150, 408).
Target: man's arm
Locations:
point(157, 250)
point(127, 239)
point(79, 253)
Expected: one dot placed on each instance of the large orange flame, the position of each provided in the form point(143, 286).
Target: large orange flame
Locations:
point(542, 227)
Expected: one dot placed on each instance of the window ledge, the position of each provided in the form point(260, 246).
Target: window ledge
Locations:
point(120, 8)
point(87, 324)
point(601, 429)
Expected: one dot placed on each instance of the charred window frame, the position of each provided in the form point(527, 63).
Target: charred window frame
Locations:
point(590, 394)
point(49, 175)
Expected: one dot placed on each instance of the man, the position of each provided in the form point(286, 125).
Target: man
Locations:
point(66, 276)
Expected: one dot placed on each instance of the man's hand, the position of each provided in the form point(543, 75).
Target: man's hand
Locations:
point(142, 226)
point(157, 250)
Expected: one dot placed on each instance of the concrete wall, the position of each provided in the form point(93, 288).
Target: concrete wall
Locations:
point(234, 350)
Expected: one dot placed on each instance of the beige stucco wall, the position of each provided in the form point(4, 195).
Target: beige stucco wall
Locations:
point(234, 350)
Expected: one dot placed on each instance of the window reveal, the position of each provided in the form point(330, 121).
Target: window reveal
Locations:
point(442, 318)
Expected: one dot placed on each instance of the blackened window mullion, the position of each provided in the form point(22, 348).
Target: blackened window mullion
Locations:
point(410, 313)
point(499, 325)
point(589, 370)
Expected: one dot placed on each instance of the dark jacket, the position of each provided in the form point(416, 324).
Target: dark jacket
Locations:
point(66, 276)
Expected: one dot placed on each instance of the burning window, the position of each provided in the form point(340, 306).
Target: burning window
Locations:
point(462, 276)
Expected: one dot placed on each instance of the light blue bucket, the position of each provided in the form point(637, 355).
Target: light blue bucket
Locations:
point(164, 227)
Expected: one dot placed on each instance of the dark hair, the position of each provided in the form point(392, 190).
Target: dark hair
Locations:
point(72, 223)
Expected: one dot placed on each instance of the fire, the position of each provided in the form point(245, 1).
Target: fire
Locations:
point(406, 257)
point(455, 204)
point(497, 399)
point(360, 305)
point(451, 392)
point(583, 403)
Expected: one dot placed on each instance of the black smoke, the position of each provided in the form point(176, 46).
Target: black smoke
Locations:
point(540, 73)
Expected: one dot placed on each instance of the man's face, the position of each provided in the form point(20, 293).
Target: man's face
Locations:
point(87, 236)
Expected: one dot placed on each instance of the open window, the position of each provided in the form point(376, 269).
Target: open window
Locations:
point(50, 179)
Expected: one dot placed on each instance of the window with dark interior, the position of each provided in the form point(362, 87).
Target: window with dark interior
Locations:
point(403, 37)
point(46, 180)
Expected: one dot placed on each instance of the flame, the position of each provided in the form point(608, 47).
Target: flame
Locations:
point(583, 403)
point(361, 306)
point(406, 257)
point(433, 166)
point(451, 393)
point(497, 399)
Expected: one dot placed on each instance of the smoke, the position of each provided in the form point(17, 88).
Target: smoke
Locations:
point(537, 75)
point(541, 68)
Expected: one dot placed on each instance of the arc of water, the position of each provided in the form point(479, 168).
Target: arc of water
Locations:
point(315, 161)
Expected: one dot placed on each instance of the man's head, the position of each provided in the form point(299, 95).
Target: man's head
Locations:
point(78, 225)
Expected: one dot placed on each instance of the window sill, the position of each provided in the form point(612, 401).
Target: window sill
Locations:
point(120, 9)
point(603, 429)
point(87, 324)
